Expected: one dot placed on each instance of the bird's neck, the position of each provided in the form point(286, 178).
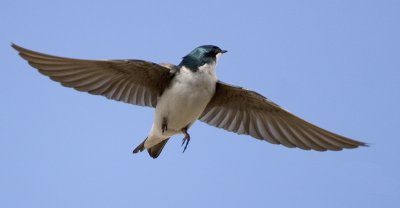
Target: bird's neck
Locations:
point(194, 63)
point(208, 69)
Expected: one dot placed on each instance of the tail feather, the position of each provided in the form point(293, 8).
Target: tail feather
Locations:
point(153, 151)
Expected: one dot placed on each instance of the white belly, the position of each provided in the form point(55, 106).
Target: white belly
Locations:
point(183, 102)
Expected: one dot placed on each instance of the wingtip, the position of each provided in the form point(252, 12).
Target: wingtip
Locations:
point(17, 47)
point(359, 144)
point(13, 45)
point(363, 144)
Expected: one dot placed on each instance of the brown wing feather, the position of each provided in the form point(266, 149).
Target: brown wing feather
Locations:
point(132, 81)
point(246, 112)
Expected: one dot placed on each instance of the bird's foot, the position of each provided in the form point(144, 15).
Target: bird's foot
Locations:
point(186, 139)
point(164, 125)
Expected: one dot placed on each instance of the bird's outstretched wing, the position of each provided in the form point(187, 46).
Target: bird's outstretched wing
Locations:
point(246, 112)
point(132, 81)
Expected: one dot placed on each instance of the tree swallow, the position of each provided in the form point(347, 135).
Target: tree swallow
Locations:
point(182, 94)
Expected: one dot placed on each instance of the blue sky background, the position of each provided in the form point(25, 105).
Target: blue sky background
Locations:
point(334, 63)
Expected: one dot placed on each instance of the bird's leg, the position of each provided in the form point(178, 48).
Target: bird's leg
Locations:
point(186, 139)
point(164, 125)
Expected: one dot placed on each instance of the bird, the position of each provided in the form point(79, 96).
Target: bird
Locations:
point(184, 93)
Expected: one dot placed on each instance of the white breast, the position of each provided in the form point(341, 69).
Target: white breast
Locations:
point(184, 101)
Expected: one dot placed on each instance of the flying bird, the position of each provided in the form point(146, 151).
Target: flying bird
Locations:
point(184, 93)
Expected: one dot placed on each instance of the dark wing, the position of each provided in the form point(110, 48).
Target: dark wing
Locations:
point(132, 81)
point(246, 112)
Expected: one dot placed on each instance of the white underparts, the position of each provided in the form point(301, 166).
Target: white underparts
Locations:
point(183, 102)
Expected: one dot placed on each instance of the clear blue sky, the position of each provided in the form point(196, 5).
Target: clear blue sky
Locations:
point(334, 63)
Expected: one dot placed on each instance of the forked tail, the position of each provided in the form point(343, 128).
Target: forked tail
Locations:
point(153, 151)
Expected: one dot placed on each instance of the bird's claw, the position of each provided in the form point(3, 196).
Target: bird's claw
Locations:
point(186, 140)
point(164, 126)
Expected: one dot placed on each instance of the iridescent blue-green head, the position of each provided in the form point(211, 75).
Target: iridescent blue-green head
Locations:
point(201, 55)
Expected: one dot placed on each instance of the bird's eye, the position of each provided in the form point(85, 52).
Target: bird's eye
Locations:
point(215, 51)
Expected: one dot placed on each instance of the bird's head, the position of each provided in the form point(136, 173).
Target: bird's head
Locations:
point(201, 55)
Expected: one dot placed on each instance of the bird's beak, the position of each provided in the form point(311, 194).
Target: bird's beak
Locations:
point(224, 51)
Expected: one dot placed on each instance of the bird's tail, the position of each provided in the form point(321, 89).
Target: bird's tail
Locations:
point(153, 151)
